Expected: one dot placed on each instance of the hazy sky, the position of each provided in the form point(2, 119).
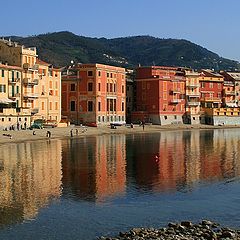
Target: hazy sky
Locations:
point(213, 24)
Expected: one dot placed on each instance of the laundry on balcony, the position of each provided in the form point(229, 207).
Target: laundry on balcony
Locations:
point(6, 101)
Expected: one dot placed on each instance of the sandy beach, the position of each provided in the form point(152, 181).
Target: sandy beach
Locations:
point(60, 133)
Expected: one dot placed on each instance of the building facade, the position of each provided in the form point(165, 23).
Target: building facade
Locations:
point(160, 95)
point(35, 85)
point(192, 97)
point(211, 88)
point(94, 94)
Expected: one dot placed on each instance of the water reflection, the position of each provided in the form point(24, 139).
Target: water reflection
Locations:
point(94, 168)
point(30, 175)
point(98, 168)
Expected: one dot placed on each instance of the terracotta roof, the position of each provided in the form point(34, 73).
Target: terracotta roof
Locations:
point(10, 67)
point(40, 62)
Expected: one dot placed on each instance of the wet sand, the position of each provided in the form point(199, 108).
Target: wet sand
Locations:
point(60, 133)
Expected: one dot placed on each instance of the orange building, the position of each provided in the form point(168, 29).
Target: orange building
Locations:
point(160, 95)
point(94, 93)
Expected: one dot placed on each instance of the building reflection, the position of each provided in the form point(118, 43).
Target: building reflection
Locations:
point(184, 159)
point(30, 176)
point(94, 169)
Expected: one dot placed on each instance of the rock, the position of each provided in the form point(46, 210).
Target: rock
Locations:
point(186, 224)
point(228, 234)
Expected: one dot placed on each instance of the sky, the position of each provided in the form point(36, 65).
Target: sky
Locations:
point(213, 24)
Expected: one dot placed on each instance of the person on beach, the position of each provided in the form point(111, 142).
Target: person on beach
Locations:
point(34, 132)
point(76, 131)
point(143, 125)
point(71, 133)
point(48, 134)
point(131, 125)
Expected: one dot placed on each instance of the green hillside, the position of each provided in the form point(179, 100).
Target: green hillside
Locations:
point(61, 48)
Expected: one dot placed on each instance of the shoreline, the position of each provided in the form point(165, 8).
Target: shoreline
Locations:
point(64, 132)
point(185, 230)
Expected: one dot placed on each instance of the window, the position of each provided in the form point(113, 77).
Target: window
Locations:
point(50, 84)
point(99, 73)
point(73, 106)
point(103, 119)
point(99, 87)
point(122, 106)
point(2, 73)
point(202, 84)
point(219, 85)
point(122, 88)
point(99, 106)
point(17, 91)
point(9, 119)
point(25, 119)
point(73, 87)
point(165, 117)
point(2, 119)
point(107, 74)
point(17, 74)
point(210, 85)
point(90, 73)
point(43, 106)
point(50, 105)
point(90, 86)
point(99, 118)
point(90, 106)
point(111, 75)
point(56, 105)
point(2, 88)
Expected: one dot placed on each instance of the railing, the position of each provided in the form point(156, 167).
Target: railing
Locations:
point(34, 110)
point(231, 93)
point(193, 94)
point(30, 95)
point(175, 101)
point(175, 90)
point(192, 85)
point(193, 103)
point(13, 80)
point(211, 99)
point(15, 95)
point(30, 81)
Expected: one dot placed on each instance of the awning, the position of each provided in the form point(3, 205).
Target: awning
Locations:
point(6, 101)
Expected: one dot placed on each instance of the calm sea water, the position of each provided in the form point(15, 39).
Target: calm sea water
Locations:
point(92, 186)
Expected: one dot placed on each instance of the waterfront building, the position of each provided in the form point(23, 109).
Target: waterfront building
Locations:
point(130, 94)
point(94, 94)
point(211, 87)
point(12, 113)
point(231, 89)
point(39, 86)
point(160, 95)
point(192, 114)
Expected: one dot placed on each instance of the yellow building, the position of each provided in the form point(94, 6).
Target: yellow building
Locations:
point(11, 112)
point(192, 96)
point(39, 87)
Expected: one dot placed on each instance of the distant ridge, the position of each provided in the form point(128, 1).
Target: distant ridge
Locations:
point(60, 48)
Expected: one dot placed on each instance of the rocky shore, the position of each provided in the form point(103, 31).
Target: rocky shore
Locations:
point(184, 230)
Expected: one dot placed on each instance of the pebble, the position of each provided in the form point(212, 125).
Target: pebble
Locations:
point(185, 230)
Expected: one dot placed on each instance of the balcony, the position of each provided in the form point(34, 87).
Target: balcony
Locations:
point(228, 83)
point(34, 110)
point(29, 81)
point(211, 99)
point(30, 96)
point(192, 85)
point(175, 101)
point(193, 94)
point(175, 91)
point(193, 104)
point(27, 67)
point(13, 80)
point(13, 96)
point(229, 93)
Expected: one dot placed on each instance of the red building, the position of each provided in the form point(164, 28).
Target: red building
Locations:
point(94, 93)
point(160, 95)
point(211, 88)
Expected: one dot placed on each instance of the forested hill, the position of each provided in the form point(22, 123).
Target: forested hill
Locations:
point(61, 48)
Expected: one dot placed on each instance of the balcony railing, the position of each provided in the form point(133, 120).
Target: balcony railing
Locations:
point(26, 66)
point(193, 103)
point(34, 110)
point(211, 99)
point(192, 85)
point(30, 95)
point(175, 101)
point(13, 80)
point(15, 95)
point(193, 94)
point(229, 93)
point(175, 90)
point(30, 81)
